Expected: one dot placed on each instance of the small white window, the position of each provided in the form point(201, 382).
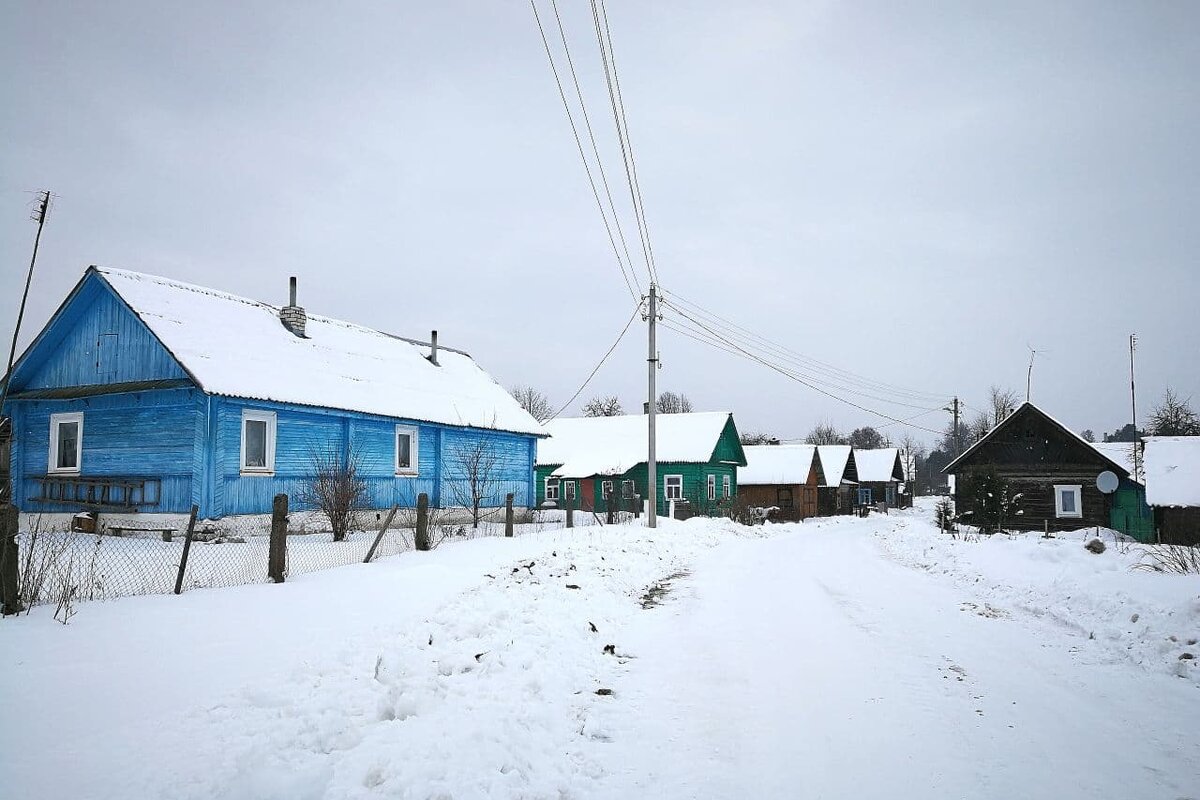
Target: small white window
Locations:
point(406, 450)
point(258, 442)
point(551, 488)
point(712, 487)
point(606, 488)
point(1068, 501)
point(673, 487)
point(570, 486)
point(66, 442)
point(726, 485)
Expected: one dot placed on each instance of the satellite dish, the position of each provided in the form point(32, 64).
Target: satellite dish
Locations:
point(1107, 481)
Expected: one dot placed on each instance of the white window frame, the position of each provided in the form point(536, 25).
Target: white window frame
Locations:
point(712, 487)
point(606, 489)
point(414, 442)
point(1058, 505)
point(52, 461)
point(672, 482)
point(552, 483)
point(254, 415)
point(727, 485)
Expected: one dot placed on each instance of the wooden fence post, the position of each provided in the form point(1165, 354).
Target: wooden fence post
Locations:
point(187, 548)
point(379, 536)
point(508, 514)
point(10, 590)
point(637, 506)
point(421, 537)
point(277, 552)
point(570, 513)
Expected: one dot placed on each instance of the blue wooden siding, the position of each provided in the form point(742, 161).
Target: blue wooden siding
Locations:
point(301, 431)
point(141, 434)
point(94, 340)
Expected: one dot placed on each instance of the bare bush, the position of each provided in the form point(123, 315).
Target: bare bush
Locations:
point(335, 487)
point(476, 468)
point(1175, 559)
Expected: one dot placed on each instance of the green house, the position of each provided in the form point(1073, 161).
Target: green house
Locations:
point(595, 462)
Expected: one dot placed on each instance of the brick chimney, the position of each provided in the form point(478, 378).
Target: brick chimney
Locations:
point(292, 316)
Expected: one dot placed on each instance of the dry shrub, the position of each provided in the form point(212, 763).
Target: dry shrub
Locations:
point(1176, 559)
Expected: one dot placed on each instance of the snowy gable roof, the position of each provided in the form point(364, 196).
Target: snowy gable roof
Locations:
point(877, 466)
point(1172, 470)
point(770, 465)
point(586, 446)
point(834, 458)
point(1120, 452)
point(239, 348)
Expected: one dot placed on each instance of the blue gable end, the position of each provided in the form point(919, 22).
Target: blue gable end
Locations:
point(94, 339)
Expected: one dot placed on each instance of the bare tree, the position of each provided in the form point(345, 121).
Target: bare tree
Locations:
point(978, 427)
point(475, 467)
point(1088, 435)
point(1003, 402)
point(825, 433)
point(912, 453)
point(671, 403)
point(1174, 416)
point(757, 437)
point(533, 401)
point(335, 487)
point(603, 407)
point(867, 438)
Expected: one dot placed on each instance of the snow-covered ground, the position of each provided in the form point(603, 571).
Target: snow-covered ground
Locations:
point(834, 658)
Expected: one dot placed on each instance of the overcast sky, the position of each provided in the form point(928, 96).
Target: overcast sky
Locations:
point(916, 195)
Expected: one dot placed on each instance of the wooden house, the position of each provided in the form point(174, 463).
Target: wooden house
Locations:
point(880, 474)
point(784, 477)
point(595, 462)
point(838, 494)
point(1172, 471)
point(1050, 474)
point(148, 395)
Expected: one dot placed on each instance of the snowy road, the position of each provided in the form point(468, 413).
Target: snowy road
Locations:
point(807, 665)
point(841, 658)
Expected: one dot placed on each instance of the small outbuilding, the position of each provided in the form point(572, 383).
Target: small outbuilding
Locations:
point(880, 474)
point(837, 494)
point(1172, 470)
point(785, 477)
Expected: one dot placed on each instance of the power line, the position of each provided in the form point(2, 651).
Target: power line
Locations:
point(613, 82)
point(636, 294)
point(600, 364)
point(789, 374)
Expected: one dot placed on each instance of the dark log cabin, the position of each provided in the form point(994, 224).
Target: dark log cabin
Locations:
point(1052, 469)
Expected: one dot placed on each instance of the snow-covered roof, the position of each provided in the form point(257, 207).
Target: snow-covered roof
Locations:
point(834, 458)
point(239, 348)
point(770, 465)
point(586, 446)
point(876, 465)
point(1120, 452)
point(1172, 470)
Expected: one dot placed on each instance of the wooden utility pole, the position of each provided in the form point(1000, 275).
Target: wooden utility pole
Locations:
point(39, 216)
point(652, 458)
point(957, 437)
point(1137, 450)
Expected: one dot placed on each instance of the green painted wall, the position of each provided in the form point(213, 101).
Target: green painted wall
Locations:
point(695, 484)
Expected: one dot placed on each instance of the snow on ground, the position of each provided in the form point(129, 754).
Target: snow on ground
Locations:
point(833, 658)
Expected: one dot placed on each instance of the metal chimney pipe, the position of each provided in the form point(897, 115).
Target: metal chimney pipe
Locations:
point(433, 348)
point(292, 291)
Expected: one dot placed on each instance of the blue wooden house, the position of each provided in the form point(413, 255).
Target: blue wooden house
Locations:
point(149, 395)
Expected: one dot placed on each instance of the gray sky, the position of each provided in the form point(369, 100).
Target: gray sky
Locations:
point(913, 194)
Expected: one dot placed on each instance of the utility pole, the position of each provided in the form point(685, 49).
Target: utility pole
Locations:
point(953, 409)
point(1029, 376)
point(1133, 402)
point(651, 460)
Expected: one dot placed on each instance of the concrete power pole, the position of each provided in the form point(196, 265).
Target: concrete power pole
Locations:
point(651, 460)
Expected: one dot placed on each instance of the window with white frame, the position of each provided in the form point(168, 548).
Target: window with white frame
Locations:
point(66, 442)
point(258, 442)
point(551, 488)
point(406, 450)
point(727, 485)
point(673, 487)
point(1068, 501)
point(712, 487)
point(606, 488)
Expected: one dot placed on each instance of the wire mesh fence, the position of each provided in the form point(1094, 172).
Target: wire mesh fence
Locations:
point(64, 568)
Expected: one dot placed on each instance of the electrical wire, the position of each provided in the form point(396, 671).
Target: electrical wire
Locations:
point(600, 364)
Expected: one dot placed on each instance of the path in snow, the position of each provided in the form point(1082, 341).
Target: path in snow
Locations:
point(808, 665)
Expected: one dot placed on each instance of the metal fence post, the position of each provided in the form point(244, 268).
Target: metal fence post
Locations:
point(379, 536)
point(10, 590)
point(508, 514)
point(187, 548)
point(277, 552)
point(421, 537)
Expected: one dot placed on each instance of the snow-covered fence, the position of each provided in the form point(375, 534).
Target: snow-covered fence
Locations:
point(63, 568)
